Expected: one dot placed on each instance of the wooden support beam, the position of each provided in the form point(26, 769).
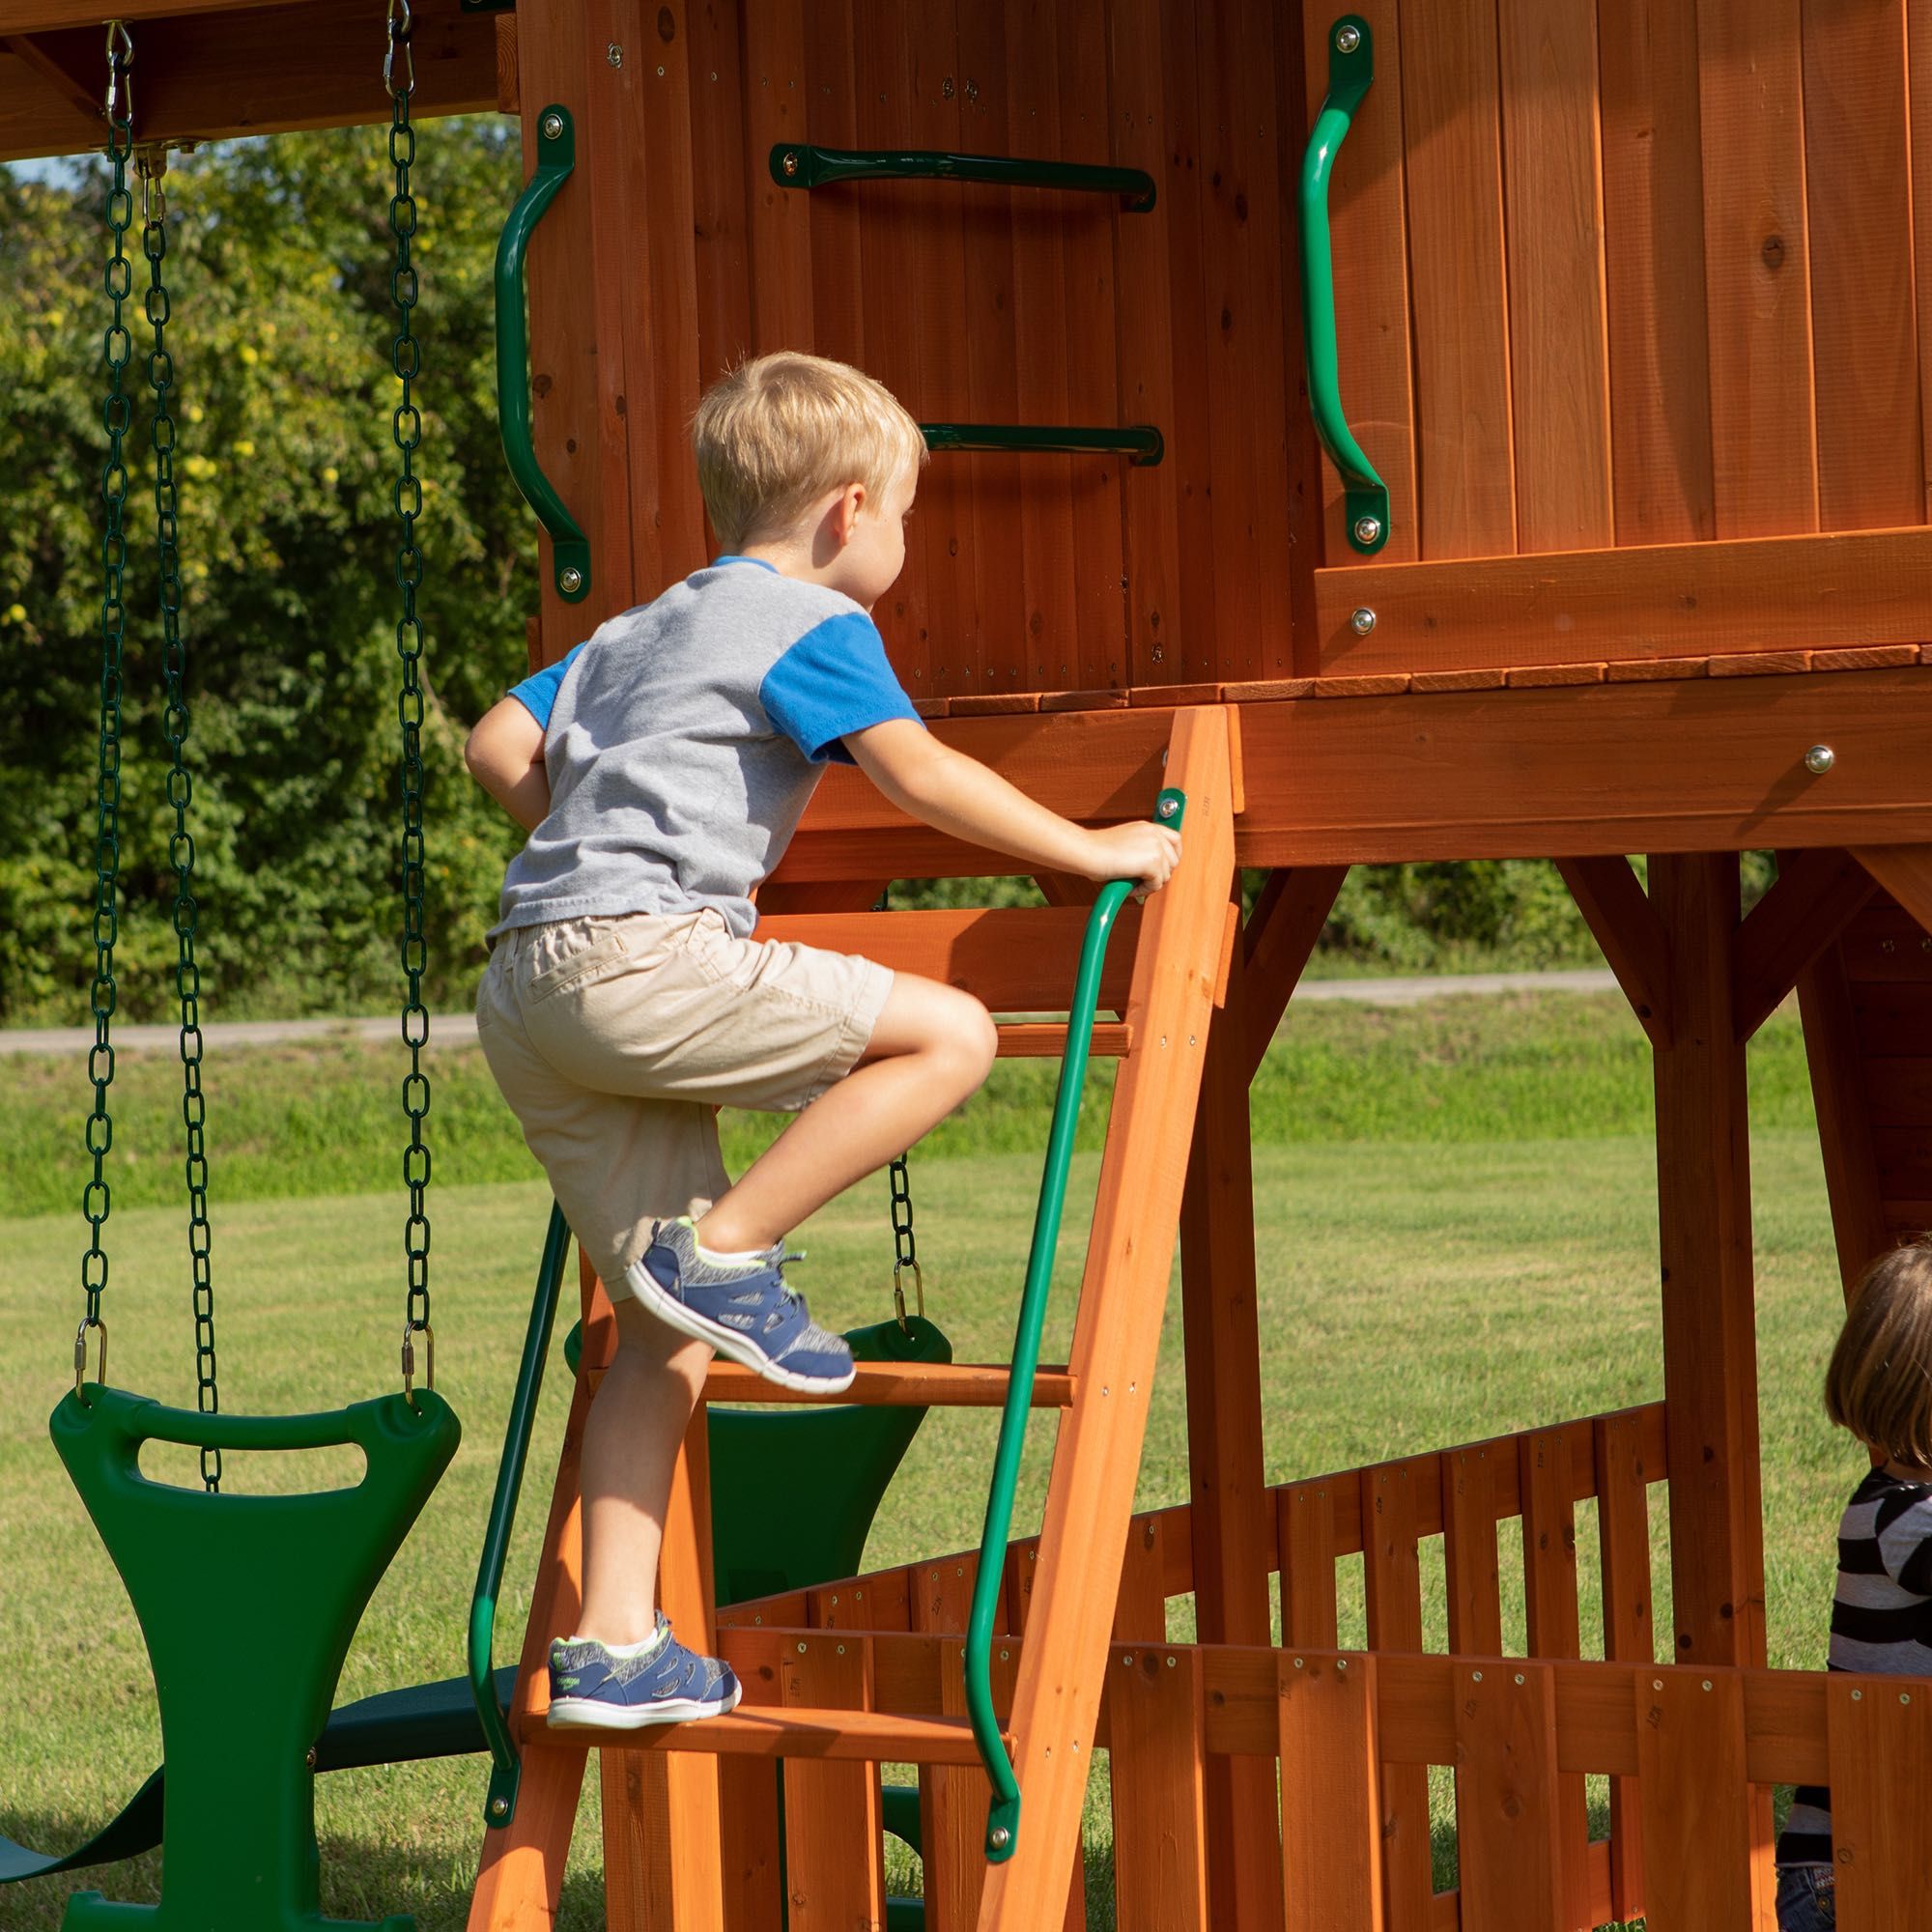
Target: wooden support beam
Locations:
point(1116, 1335)
point(1620, 918)
point(79, 90)
point(1232, 1516)
point(1815, 897)
point(1843, 1106)
point(210, 73)
point(1905, 871)
point(1709, 1340)
point(1278, 942)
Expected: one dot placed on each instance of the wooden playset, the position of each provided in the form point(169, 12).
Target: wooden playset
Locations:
point(1449, 430)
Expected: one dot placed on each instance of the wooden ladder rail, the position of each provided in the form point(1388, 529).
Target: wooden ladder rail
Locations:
point(1176, 977)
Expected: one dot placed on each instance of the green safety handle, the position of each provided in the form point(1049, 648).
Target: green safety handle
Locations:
point(1002, 1819)
point(556, 155)
point(800, 164)
point(506, 1768)
point(1141, 443)
point(1351, 67)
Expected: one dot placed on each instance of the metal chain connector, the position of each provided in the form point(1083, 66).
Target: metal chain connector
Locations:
point(402, 27)
point(406, 426)
point(117, 413)
point(152, 163)
point(905, 1249)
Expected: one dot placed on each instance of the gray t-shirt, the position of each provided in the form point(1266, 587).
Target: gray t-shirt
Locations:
point(683, 740)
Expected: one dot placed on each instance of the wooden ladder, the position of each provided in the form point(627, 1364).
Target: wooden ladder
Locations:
point(669, 1861)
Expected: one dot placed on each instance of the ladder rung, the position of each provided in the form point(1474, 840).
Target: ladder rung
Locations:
point(773, 1730)
point(902, 1385)
point(1033, 1039)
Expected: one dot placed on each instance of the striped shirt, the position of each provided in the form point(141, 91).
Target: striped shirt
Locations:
point(1881, 1621)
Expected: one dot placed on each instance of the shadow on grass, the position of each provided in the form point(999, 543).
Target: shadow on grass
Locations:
point(360, 1881)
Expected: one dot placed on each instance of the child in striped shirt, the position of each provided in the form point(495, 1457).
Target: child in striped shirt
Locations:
point(1879, 1386)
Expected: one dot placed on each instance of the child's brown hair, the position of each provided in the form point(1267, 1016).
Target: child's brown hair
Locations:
point(1879, 1384)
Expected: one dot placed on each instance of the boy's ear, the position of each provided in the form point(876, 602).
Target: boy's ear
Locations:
point(845, 512)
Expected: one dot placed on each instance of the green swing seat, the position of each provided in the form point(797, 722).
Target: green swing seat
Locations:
point(295, 1574)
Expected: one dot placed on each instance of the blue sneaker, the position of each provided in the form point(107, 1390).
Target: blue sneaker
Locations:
point(743, 1309)
point(657, 1682)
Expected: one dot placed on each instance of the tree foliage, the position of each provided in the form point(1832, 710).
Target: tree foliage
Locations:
point(281, 332)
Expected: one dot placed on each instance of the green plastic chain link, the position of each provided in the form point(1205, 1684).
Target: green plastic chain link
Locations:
point(153, 167)
point(406, 425)
point(117, 413)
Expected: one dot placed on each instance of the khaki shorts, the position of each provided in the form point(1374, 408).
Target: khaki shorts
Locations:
point(614, 1040)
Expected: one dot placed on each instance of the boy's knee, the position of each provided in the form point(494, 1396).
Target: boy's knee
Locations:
point(973, 1036)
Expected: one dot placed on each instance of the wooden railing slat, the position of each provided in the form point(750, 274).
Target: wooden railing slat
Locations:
point(834, 1857)
point(1392, 1502)
point(1158, 1757)
point(1470, 1552)
point(1880, 1736)
point(1623, 1528)
point(1331, 1841)
point(1509, 1843)
point(1692, 1793)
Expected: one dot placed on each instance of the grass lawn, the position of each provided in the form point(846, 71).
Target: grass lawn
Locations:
point(1418, 1287)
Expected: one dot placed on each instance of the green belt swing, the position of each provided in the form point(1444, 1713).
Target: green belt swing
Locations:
point(294, 1571)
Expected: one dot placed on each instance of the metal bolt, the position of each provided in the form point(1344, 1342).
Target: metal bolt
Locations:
point(551, 126)
point(615, 54)
point(661, 74)
point(1001, 1837)
point(308, 1757)
point(500, 1807)
point(1127, 1661)
point(1820, 758)
point(1475, 1677)
point(1168, 806)
point(1367, 529)
point(1361, 620)
point(1519, 1677)
point(1341, 1663)
point(1298, 1662)
point(1858, 1696)
point(789, 164)
point(800, 1650)
point(1348, 40)
point(570, 580)
point(1174, 1661)
point(1707, 1684)
point(1905, 1696)
point(1657, 1683)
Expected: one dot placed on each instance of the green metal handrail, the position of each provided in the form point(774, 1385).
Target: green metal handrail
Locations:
point(798, 164)
point(1140, 442)
point(1002, 1819)
point(1351, 67)
point(556, 155)
point(506, 1768)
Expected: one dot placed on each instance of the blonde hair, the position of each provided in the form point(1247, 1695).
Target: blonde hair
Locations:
point(1879, 1384)
point(777, 433)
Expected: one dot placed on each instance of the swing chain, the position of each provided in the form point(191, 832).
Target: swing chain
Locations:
point(406, 426)
point(905, 1249)
point(116, 414)
point(151, 164)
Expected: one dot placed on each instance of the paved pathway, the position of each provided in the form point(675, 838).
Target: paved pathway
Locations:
point(460, 1029)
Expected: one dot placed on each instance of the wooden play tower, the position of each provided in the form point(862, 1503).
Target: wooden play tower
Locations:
point(1561, 493)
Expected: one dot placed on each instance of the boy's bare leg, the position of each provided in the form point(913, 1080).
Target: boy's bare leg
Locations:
point(631, 1444)
point(932, 1047)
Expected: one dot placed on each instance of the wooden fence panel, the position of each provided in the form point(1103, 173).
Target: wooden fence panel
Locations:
point(1158, 1760)
point(748, 1809)
point(1623, 1527)
point(1306, 1528)
point(1393, 1574)
point(1880, 1739)
point(1508, 1834)
point(1331, 1840)
point(1470, 1513)
point(1549, 1588)
point(953, 1799)
point(1694, 1800)
point(835, 1855)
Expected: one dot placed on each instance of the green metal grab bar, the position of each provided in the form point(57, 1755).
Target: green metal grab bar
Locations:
point(1140, 442)
point(1002, 1819)
point(1351, 67)
point(556, 155)
point(506, 1768)
point(798, 164)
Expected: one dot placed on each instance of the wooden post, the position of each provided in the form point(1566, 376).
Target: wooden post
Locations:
point(1709, 1342)
point(1231, 1521)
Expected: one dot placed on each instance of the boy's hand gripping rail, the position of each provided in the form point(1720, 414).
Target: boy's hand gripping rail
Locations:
point(1003, 1820)
point(506, 1768)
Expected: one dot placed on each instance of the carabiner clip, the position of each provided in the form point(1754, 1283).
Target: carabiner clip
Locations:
point(898, 1293)
point(410, 1333)
point(401, 25)
point(80, 1355)
point(119, 62)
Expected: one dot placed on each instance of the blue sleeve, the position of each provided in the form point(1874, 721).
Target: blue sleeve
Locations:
point(835, 680)
point(537, 694)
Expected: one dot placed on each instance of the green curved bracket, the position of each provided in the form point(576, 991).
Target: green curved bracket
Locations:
point(285, 1576)
point(570, 547)
point(1002, 1819)
point(800, 164)
point(506, 1769)
point(1140, 442)
point(1351, 67)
